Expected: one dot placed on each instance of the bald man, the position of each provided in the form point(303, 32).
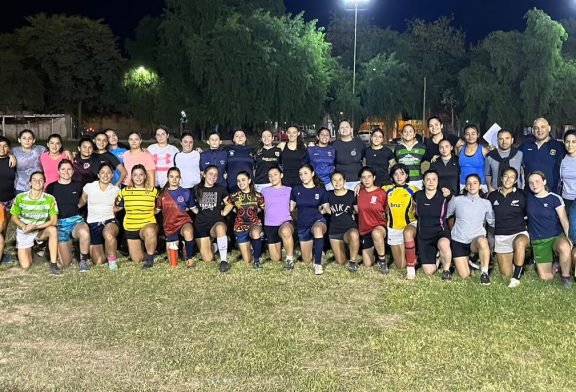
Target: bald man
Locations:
point(543, 153)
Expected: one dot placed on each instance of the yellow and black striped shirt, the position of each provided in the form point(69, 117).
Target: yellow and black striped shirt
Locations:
point(139, 204)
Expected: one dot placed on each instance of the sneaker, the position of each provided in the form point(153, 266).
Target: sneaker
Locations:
point(514, 283)
point(224, 266)
point(257, 265)
point(113, 266)
point(567, 282)
point(83, 266)
point(148, 264)
point(447, 276)
point(384, 268)
point(39, 248)
point(318, 269)
point(8, 259)
point(190, 263)
point(485, 279)
point(410, 273)
point(289, 265)
point(352, 266)
point(54, 269)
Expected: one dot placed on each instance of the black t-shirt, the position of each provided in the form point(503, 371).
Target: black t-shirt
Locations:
point(342, 208)
point(67, 197)
point(379, 161)
point(292, 160)
point(509, 212)
point(349, 156)
point(105, 157)
point(265, 159)
point(448, 174)
point(7, 176)
point(431, 214)
point(85, 170)
point(210, 202)
point(432, 148)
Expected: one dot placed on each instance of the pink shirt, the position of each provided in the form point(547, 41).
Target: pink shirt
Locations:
point(50, 167)
point(131, 160)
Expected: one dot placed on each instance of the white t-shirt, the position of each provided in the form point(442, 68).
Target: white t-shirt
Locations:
point(189, 165)
point(100, 202)
point(164, 160)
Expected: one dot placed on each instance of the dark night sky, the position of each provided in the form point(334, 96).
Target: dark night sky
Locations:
point(476, 17)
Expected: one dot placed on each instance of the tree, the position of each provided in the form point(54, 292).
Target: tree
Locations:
point(142, 49)
point(78, 59)
point(142, 87)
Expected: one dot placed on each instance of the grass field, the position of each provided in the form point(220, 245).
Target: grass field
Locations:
point(180, 330)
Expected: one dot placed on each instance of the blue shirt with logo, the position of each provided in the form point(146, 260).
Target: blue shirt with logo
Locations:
point(218, 158)
point(322, 160)
point(543, 221)
point(307, 202)
point(546, 159)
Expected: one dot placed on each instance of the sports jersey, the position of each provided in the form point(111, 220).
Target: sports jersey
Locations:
point(543, 221)
point(471, 213)
point(400, 208)
point(509, 211)
point(50, 167)
point(27, 163)
point(448, 174)
point(292, 160)
point(277, 205)
point(431, 214)
point(7, 178)
point(130, 160)
point(174, 204)
point(139, 204)
point(85, 170)
point(247, 206)
point(379, 160)
point(322, 161)
point(35, 211)
point(163, 160)
point(545, 158)
point(308, 200)
point(371, 209)
point(240, 158)
point(349, 156)
point(264, 160)
point(189, 165)
point(100, 202)
point(218, 158)
point(342, 212)
point(119, 153)
point(67, 197)
point(411, 157)
point(472, 164)
point(210, 202)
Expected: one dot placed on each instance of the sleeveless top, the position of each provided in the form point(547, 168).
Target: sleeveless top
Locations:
point(292, 160)
point(473, 164)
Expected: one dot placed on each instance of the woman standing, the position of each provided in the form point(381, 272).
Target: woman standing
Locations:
point(278, 224)
point(343, 228)
point(163, 154)
point(468, 234)
point(51, 158)
point(292, 157)
point(267, 157)
point(372, 205)
point(433, 232)
point(568, 169)
point(137, 155)
point(139, 201)
point(350, 152)
point(380, 157)
point(447, 167)
point(511, 234)
point(188, 161)
point(247, 226)
point(309, 198)
point(548, 228)
point(471, 157)
point(209, 221)
point(322, 156)
point(436, 129)
point(28, 160)
point(240, 158)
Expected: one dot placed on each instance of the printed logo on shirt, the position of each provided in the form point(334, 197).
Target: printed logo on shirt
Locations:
point(373, 199)
point(86, 166)
point(277, 153)
point(515, 203)
point(496, 203)
point(329, 153)
point(552, 152)
point(180, 199)
point(353, 152)
point(316, 196)
point(545, 205)
point(231, 153)
point(222, 162)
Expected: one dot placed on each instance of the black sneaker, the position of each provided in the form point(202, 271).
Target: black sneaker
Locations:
point(446, 276)
point(567, 282)
point(224, 266)
point(384, 268)
point(148, 264)
point(352, 266)
point(257, 265)
point(54, 269)
point(289, 265)
point(485, 279)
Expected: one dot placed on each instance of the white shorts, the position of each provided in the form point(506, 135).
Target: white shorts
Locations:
point(259, 187)
point(25, 240)
point(503, 243)
point(396, 237)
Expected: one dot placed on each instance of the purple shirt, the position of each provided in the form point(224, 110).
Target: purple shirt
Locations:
point(277, 207)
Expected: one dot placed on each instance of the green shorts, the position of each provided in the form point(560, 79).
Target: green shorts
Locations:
point(543, 250)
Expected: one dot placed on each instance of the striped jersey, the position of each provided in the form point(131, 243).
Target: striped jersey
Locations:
point(400, 206)
point(139, 204)
point(36, 211)
point(411, 157)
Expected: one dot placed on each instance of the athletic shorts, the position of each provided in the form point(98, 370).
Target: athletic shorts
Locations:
point(8, 204)
point(25, 240)
point(459, 249)
point(543, 250)
point(367, 241)
point(305, 234)
point(132, 234)
point(504, 243)
point(396, 237)
point(272, 233)
point(242, 237)
point(96, 230)
point(202, 229)
point(428, 248)
point(66, 227)
point(176, 235)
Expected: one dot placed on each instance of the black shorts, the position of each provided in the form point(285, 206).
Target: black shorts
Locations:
point(459, 249)
point(202, 229)
point(367, 241)
point(132, 234)
point(428, 248)
point(96, 230)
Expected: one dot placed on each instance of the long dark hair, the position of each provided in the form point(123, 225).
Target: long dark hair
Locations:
point(165, 187)
point(261, 143)
point(480, 192)
point(252, 188)
point(404, 168)
point(300, 146)
point(201, 187)
point(318, 183)
point(138, 166)
point(56, 136)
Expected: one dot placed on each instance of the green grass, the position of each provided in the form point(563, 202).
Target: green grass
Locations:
point(180, 330)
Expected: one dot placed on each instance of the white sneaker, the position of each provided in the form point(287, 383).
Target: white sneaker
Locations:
point(410, 273)
point(514, 283)
point(318, 269)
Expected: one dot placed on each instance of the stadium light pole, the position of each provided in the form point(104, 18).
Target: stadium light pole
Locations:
point(355, 5)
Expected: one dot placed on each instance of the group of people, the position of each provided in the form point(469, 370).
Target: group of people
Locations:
point(362, 199)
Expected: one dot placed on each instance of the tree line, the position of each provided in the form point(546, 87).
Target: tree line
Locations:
point(233, 63)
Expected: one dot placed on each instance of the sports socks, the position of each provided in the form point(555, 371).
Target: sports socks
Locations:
point(222, 247)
